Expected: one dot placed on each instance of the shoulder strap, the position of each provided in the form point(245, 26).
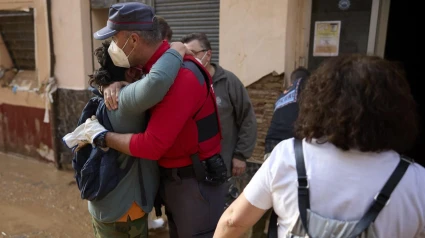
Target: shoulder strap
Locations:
point(89, 109)
point(382, 198)
point(272, 232)
point(303, 193)
point(303, 185)
point(202, 78)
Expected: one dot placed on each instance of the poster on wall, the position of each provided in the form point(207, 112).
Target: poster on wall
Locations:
point(326, 38)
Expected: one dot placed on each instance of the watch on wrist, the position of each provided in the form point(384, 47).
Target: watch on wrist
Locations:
point(100, 140)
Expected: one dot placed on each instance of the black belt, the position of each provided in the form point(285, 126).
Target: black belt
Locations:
point(172, 173)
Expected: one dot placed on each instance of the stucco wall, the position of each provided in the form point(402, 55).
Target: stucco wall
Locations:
point(99, 19)
point(72, 43)
point(253, 37)
point(16, 4)
point(22, 129)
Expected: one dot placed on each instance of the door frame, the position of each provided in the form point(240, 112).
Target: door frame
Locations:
point(377, 30)
point(382, 25)
point(303, 32)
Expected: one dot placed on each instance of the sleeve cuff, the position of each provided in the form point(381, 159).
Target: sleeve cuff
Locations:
point(239, 157)
point(132, 147)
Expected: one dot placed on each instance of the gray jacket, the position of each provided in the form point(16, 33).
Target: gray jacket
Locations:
point(237, 117)
point(130, 117)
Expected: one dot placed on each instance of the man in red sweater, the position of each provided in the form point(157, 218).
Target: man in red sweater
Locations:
point(183, 132)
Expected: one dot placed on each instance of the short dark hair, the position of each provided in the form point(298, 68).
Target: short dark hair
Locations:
point(153, 36)
point(165, 29)
point(299, 72)
point(201, 37)
point(108, 72)
point(358, 102)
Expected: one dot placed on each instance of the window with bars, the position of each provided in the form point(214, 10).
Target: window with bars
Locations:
point(17, 32)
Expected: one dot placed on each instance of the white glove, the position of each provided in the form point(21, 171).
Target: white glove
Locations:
point(72, 139)
point(92, 129)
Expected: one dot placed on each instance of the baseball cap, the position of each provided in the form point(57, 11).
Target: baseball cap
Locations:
point(127, 16)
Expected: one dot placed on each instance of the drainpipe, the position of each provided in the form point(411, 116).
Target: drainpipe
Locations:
point(91, 34)
point(53, 106)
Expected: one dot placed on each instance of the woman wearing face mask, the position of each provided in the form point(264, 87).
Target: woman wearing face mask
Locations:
point(123, 211)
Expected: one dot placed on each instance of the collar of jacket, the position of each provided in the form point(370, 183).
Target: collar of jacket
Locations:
point(219, 73)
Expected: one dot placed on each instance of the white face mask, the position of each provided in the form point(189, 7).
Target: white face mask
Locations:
point(118, 55)
point(200, 60)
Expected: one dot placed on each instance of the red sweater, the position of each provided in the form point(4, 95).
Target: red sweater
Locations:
point(172, 135)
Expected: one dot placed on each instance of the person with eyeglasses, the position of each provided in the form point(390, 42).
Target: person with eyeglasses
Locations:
point(237, 117)
point(183, 131)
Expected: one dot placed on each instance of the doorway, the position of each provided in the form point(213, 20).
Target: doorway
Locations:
point(388, 28)
point(402, 44)
point(338, 27)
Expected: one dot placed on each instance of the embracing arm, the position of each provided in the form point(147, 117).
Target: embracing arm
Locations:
point(145, 93)
point(178, 106)
point(160, 78)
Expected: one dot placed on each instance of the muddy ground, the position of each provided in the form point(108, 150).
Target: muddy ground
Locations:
point(37, 200)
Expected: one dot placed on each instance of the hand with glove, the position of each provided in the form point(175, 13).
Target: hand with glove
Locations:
point(77, 137)
point(95, 132)
point(85, 134)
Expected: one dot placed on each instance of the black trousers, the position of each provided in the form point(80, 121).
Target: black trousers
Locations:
point(193, 208)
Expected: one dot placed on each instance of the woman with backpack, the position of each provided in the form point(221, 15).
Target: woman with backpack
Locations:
point(343, 175)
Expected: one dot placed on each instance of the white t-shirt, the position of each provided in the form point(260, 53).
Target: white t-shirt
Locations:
point(342, 186)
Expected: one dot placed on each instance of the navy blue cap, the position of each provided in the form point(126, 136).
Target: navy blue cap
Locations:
point(128, 16)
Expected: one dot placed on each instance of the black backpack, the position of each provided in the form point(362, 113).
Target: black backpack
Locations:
point(98, 172)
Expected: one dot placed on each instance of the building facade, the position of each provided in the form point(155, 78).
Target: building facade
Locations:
point(46, 54)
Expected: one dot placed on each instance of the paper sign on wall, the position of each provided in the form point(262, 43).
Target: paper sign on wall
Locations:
point(326, 38)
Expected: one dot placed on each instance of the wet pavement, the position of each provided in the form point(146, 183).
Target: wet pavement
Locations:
point(37, 200)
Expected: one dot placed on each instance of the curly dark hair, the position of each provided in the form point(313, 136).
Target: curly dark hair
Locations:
point(108, 72)
point(358, 102)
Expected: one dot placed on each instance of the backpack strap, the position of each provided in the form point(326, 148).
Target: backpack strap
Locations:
point(272, 232)
point(203, 79)
point(303, 185)
point(382, 198)
point(303, 192)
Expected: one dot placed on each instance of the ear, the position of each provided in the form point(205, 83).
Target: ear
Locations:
point(209, 55)
point(135, 38)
